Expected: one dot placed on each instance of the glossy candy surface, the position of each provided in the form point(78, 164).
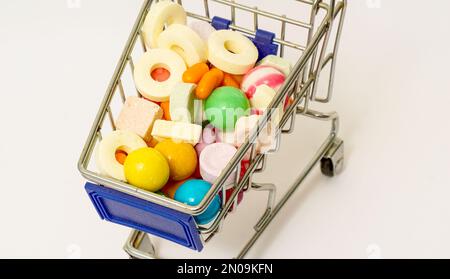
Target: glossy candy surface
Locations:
point(192, 193)
point(225, 106)
point(182, 158)
point(146, 168)
point(195, 73)
point(170, 189)
point(210, 81)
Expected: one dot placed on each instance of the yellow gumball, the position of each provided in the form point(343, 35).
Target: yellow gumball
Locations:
point(182, 158)
point(147, 168)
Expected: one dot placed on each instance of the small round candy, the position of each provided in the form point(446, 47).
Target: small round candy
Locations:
point(213, 160)
point(147, 168)
point(170, 189)
point(225, 106)
point(182, 158)
point(209, 134)
point(262, 75)
point(192, 193)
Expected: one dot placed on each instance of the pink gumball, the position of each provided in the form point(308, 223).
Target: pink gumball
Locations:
point(262, 75)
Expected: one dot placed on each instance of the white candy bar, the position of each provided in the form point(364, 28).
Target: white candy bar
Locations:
point(177, 131)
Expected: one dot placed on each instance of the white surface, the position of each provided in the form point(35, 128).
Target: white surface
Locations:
point(392, 92)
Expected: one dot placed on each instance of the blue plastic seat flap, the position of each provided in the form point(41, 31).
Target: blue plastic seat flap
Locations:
point(126, 210)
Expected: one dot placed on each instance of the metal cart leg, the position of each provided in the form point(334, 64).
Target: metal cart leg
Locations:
point(139, 246)
point(333, 161)
point(330, 154)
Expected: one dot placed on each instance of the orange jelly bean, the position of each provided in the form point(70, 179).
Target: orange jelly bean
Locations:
point(210, 81)
point(121, 156)
point(165, 107)
point(228, 80)
point(238, 78)
point(195, 73)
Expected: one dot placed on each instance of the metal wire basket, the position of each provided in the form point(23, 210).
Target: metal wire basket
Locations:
point(314, 52)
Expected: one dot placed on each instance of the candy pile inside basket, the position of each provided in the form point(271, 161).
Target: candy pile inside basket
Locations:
point(202, 91)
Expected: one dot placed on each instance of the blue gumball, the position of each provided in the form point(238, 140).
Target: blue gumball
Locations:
point(192, 193)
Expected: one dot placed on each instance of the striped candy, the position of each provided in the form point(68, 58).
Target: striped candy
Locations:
point(262, 75)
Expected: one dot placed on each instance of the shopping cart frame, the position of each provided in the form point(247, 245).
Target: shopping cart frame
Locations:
point(301, 86)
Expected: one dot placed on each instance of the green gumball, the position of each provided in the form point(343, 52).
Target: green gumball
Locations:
point(225, 106)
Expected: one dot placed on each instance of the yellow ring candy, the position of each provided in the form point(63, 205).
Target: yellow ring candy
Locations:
point(106, 152)
point(156, 58)
point(231, 52)
point(184, 41)
point(161, 14)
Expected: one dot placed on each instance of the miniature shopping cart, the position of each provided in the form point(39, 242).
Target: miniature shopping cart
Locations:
point(149, 213)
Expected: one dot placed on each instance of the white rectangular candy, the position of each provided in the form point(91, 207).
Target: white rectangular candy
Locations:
point(138, 115)
point(177, 131)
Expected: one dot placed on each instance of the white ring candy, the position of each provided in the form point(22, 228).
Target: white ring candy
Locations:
point(156, 58)
point(184, 41)
point(161, 13)
point(231, 52)
point(106, 152)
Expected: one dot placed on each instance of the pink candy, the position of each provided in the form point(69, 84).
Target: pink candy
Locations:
point(208, 137)
point(262, 75)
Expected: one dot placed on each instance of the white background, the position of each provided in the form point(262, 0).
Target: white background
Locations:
point(392, 92)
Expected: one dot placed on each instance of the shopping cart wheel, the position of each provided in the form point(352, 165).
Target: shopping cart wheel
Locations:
point(332, 162)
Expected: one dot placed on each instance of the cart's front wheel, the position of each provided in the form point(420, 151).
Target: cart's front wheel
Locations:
point(332, 162)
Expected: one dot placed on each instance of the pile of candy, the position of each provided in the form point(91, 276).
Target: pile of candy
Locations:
point(203, 91)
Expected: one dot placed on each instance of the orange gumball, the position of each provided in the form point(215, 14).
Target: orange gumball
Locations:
point(210, 81)
point(182, 158)
point(166, 108)
point(171, 187)
point(195, 73)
